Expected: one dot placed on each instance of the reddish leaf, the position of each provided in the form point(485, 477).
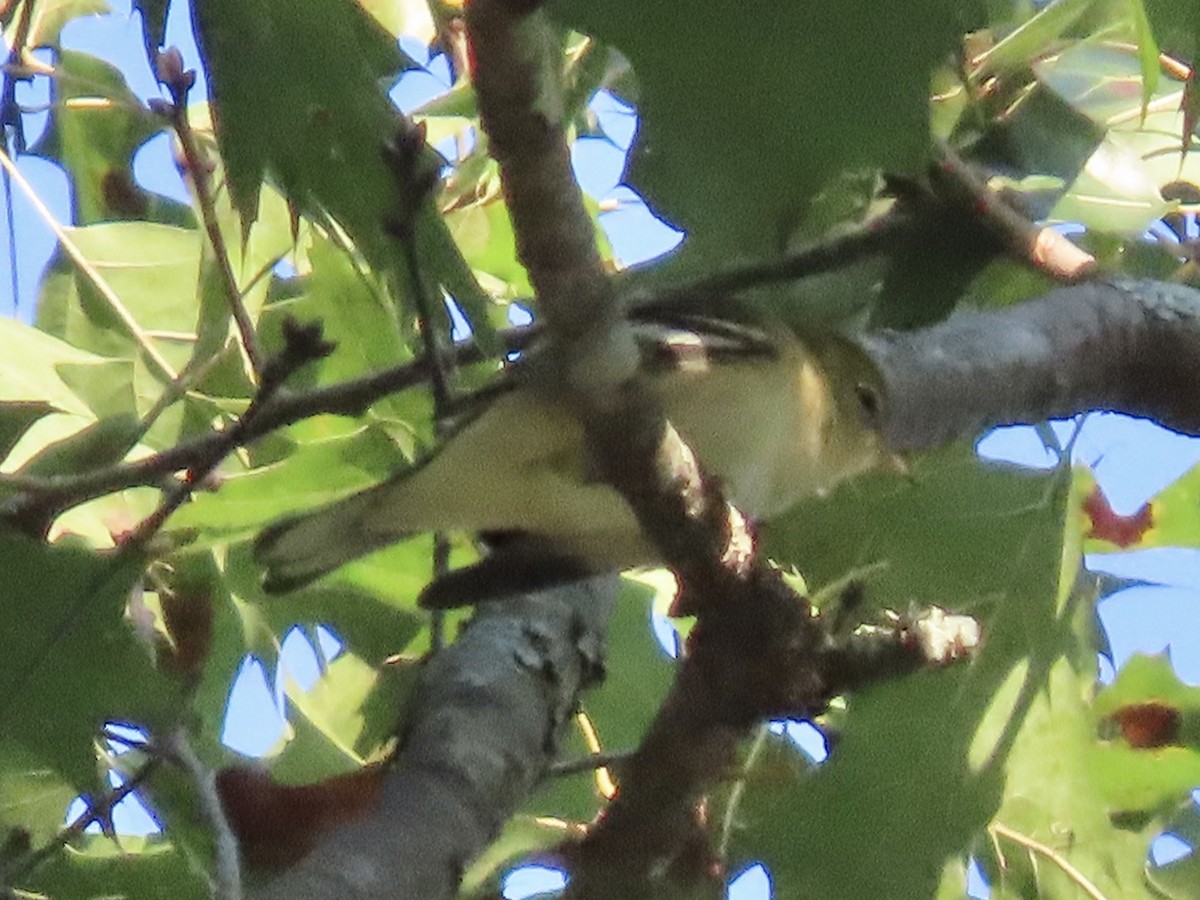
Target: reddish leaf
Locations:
point(1146, 726)
point(1107, 525)
point(277, 824)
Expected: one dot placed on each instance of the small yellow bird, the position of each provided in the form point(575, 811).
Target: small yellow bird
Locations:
point(776, 417)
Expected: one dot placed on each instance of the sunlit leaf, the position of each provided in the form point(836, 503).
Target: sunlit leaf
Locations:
point(96, 125)
point(51, 16)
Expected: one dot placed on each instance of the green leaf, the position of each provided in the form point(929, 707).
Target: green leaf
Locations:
point(1147, 51)
point(33, 798)
point(96, 125)
point(1132, 778)
point(522, 835)
point(1176, 515)
point(1176, 26)
point(981, 539)
point(154, 24)
point(145, 868)
point(784, 103)
point(30, 368)
point(16, 418)
point(314, 474)
point(100, 444)
point(625, 704)
point(622, 707)
point(347, 718)
point(1006, 740)
point(324, 129)
point(1146, 677)
point(51, 16)
point(354, 312)
point(1118, 188)
point(319, 65)
point(1170, 519)
point(251, 250)
point(375, 620)
point(1028, 42)
point(72, 661)
point(106, 387)
point(150, 273)
point(484, 234)
point(1180, 880)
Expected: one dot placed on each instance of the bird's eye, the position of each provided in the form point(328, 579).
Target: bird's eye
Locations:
point(869, 402)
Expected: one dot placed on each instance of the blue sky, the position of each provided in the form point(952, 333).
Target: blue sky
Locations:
point(1133, 460)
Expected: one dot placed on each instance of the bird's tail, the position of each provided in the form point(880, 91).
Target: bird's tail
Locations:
point(300, 549)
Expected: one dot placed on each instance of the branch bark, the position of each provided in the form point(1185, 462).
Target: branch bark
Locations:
point(1122, 346)
point(489, 714)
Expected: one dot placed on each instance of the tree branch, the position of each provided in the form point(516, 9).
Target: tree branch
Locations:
point(743, 605)
point(1038, 245)
point(1122, 346)
point(168, 68)
point(488, 719)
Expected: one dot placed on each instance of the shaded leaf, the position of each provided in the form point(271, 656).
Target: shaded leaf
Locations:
point(975, 538)
point(32, 797)
point(16, 418)
point(154, 23)
point(99, 444)
point(861, 65)
point(73, 662)
point(145, 868)
point(323, 132)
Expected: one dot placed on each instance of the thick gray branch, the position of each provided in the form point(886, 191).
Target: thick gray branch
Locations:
point(489, 715)
point(1125, 346)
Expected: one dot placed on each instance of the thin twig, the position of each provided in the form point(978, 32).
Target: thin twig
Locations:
point(193, 373)
point(589, 763)
point(96, 811)
point(179, 82)
point(1035, 846)
point(416, 185)
point(350, 398)
point(829, 254)
point(140, 744)
point(159, 365)
point(1038, 245)
point(11, 122)
point(10, 113)
point(451, 34)
point(739, 787)
point(302, 344)
point(11, 222)
point(228, 862)
point(442, 401)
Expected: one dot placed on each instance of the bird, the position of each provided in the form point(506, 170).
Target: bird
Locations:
point(774, 415)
